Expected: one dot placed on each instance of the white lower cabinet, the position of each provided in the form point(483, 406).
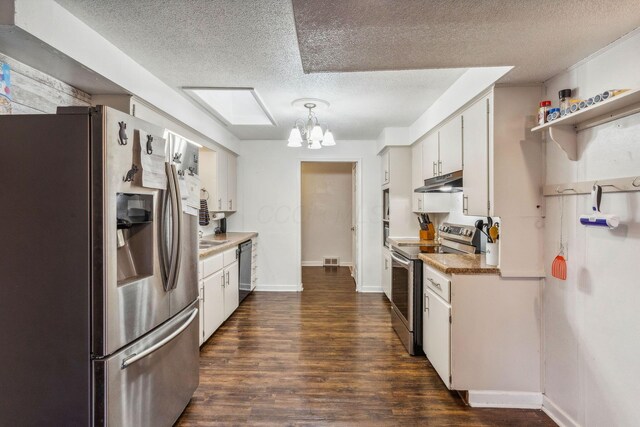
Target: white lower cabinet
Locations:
point(231, 291)
point(482, 332)
point(213, 307)
point(386, 272)
point(219, 291)
point(436, 334)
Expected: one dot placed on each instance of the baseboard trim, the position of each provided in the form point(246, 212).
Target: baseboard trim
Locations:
point(558, 416)
point(505, 399)
point(278, 288)
point(319, 264)
point(370, 289)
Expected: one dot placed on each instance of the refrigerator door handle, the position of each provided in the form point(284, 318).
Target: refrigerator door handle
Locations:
point(137, 356)
point(164, 223)
point(178, 222)
point(175, 231)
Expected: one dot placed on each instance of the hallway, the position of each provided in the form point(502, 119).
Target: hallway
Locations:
point(327, 355)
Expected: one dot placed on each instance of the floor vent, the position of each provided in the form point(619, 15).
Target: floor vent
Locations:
point(330, 262)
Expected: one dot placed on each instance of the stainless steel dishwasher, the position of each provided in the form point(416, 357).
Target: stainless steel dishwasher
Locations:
point(245, 270)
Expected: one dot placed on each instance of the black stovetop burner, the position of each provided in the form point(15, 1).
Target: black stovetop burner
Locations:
point(412, 252)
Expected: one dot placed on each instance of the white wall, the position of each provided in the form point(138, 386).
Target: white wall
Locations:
point(269, 203)
point(592, 320)
point(326, 211)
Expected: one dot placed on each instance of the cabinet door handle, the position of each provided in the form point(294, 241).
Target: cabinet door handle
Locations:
point(434, 283)
point(465, 204)
point(220, 204)
point(420, 204)
point(222, 277)
point(386, 264)
point(386, 176)
point(439, 167)
point(434, 169)
point(426, 303)
point(227, 278)
point(229, 204)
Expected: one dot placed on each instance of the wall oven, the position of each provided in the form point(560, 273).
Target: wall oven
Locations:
point(406, 299)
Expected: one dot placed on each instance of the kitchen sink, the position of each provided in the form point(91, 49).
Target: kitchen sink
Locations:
point(206, 244)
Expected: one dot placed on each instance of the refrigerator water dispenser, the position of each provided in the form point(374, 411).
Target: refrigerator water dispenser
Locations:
point(134, 237)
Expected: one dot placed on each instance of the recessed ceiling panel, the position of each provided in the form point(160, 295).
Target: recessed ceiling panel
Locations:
point(234, 106)
point(540, 38)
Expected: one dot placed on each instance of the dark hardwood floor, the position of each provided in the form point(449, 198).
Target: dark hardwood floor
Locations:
point(326, 356)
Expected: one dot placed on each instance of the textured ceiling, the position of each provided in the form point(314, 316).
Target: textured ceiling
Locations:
point(540, 38)
point(252, 43)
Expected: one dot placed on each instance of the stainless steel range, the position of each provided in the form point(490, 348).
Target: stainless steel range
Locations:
point(406, 279)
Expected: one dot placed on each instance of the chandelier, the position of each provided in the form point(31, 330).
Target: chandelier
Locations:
point(308, 131)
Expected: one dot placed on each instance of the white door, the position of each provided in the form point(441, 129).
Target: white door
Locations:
point(430, 156)
point(232, 182)
point(476, 159)
point(354, 222)
point(231, 289)
point(213, 307)
point(436, 334)
point(451, 146)
point(222, 203)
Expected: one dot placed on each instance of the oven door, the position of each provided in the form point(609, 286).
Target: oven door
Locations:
point(402, 288)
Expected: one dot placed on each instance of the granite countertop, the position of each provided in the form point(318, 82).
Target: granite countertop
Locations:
point(398, 241)
point(234, 237)
point(459, 263)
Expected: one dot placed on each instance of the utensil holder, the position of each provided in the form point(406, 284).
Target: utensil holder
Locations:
point(493, 254)
point(429, 233)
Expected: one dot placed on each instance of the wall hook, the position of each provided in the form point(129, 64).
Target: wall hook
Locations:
point(149, 146)
point(132, 172)
point(122, 133)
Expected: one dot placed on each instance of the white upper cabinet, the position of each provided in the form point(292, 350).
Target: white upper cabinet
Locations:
point(218, 175)
point(416, 176)
point(386, 167)
point(220, 202)
point(232, 182)
point(451, 146)
point(476, 159)
point(430, 156)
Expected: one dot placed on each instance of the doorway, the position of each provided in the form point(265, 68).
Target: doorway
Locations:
point(329, 217)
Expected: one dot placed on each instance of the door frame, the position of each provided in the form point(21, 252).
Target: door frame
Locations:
point(358, 261)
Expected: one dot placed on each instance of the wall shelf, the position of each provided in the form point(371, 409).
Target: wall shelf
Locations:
point(563, 131)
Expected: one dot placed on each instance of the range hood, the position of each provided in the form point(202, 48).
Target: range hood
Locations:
point(448, 183)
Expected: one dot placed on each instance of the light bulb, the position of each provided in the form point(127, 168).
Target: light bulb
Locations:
point(316, 133)
point(315, 145)
point(295, 139)
point(328, 140)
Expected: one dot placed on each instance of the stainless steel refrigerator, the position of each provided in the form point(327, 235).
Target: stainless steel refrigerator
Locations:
point(98, 271)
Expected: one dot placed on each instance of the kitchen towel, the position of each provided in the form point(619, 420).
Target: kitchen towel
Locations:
point(204, 213)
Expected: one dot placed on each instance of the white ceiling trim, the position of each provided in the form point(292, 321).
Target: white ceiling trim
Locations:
point(58, 28)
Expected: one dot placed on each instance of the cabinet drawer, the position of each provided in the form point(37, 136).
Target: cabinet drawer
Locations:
point(230, 255)
point(211, 265)
point(439, 283)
